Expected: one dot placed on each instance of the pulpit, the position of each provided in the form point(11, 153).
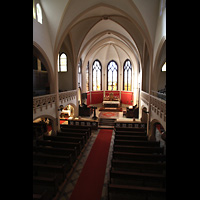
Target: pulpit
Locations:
point(84, 110)
point(132, 111)
point(94, 117)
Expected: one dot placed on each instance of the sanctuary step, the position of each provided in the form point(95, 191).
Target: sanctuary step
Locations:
point(111, 109)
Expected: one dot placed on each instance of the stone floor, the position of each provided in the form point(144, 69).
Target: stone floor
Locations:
point(75, 175)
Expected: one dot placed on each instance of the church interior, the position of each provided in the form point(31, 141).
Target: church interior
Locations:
point(99, 99)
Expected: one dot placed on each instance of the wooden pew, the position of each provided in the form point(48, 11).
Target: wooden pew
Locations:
point(57, 151)
point(73, 134)
point(138, 149)
point(139, 156)
point(77, 127)
point(139, 166)
point(66, 139)
point(47, 170)
point(68, 128)
point(43, 195)
point(131, 137)
point(60, 144)
point(54, 156)
point(139, 133)
point(136, 129)
point(127, 192)
point(52, 159)
point(137, 143)
point(50, 184)
point(136, 178)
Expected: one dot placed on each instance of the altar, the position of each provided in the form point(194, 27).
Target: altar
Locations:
point(111, 103)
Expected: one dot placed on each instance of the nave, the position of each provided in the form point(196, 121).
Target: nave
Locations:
point(99, 65)
point(135, 166)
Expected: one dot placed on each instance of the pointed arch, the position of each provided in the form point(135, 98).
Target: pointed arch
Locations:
point(127, 78)
point(40, 53)
point(96, 75)
point(112, 75)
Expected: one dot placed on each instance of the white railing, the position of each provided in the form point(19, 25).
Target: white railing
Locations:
point(159, 95)
point(43, 102)
point(145, 97)
point(157, 105)
point(47, 101)
point(67, 96)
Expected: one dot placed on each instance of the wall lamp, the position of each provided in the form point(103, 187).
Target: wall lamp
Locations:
point(60, 108)
point(145, 111)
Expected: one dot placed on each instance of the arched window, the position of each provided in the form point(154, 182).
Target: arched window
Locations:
point(34, 13)
point(80, 73)
point(62, 63)
point(87, 77)
point(112, 76)
point(127, 75)
point(96, 75)
point(39, 13)
point(163, 69)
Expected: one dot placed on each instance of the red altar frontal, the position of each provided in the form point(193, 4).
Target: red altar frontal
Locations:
point(96, 97)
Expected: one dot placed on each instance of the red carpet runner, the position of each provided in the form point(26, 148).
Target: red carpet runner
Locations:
point(90, 183)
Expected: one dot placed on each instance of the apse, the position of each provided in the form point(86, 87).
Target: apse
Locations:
point(108, 41)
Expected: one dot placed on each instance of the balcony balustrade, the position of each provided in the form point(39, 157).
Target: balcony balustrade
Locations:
point(45, 104)
point(157, 106)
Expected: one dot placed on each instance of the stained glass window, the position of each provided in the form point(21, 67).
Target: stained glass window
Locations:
point(112, 75)
point(96, 75)
point(80, 73)
point(87, 77)
point(127, 75)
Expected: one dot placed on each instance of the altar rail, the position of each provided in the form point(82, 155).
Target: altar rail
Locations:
point(84, 123)
point(45, 104)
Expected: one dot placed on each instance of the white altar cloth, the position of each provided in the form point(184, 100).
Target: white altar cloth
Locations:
point(111, 102)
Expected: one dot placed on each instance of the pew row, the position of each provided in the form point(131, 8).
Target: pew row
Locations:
point(60, 144)
point(127, 192)
point(54, 158)
point(138, 166)
point(137, 178)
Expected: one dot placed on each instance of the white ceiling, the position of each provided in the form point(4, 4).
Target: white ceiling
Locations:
point(102, 28)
